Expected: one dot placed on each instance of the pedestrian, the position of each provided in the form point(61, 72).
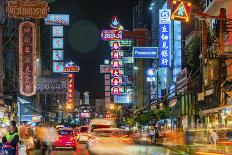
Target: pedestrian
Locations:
point(156, 136)
point(213, 137)
point(30, 143)
point(3, 132)
point(151, 134)
point(12, 138)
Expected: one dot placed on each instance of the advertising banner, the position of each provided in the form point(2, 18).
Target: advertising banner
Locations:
point(57, 19)
point(58, 55)
point(57, 31)
point(27, 58)
point(165, 36)
point(57, 43)
point(52, 85)
point(58, 67)
point(146, 52)
point(108, 35)
point(27, 9)
point(71, 69)
point(121, 98)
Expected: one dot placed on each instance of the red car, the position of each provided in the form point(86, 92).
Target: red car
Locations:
point(67, 139)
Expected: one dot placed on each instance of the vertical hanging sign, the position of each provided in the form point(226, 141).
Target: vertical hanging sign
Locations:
point(164, 41)
point(70, 94)
point(27, 58)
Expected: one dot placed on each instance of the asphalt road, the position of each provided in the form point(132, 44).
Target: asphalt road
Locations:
point(136, 149)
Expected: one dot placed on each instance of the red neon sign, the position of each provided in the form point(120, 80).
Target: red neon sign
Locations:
point(70, 94)
point(108, 35)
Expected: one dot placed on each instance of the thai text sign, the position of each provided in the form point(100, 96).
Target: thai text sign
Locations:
point(57, 19)
point(27, 9)
point(164, 41)
point(145, 52)
point(108, 35)
point(58, 55)
point(71, 69)
point(27, 58)
point(57, 31)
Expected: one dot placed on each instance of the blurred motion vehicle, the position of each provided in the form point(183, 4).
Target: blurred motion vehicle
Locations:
point(107, 141)
point(59, 126)
point(83, 134)
point(98, 123)
point(67, 139)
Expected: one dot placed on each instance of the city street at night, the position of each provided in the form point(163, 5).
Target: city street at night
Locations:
point(115, 77)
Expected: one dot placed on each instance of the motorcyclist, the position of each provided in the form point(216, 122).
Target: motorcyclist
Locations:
point(11, 138)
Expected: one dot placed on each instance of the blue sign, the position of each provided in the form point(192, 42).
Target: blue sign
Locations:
point(121, 98)
point(164, 41)
point(57, 19)
point(58, 55)
point(58, 43)
point(151, 72)
point(58, 67)
point(57, 31)
point(146, 52)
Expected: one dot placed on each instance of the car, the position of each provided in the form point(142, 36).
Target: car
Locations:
point(83, 134)
point(67, 139)
point(117, 141)
point(99, 123)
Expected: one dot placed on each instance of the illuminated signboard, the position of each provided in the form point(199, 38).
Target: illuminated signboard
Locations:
point(116, 81)
point(58, 43)
point(107, 88)
point(71, 69)
point(122, 98)
point(146, 52)
point(58, 67)
point(86, 115)
point(115, 23)
point(117, 54)
point(181, 11)
point(58, 55)
point(164, 41)
point(127, 60)
point(27, 58)
point(122, 43)
point(115, 46)
point(107, 82)
point(117, 90)
point(107, 76)
point(57, 31)
point(27, 9)
point(57, 19)
point(70, 94)
point(116, 63)
point(108, 35)
point(105, 68)
point(117, 72)
point(107, 94)
point(151, 72)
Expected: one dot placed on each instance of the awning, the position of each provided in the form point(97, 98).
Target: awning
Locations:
point(214, 110)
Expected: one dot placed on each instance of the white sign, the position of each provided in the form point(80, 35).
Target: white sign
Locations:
point(121, 98)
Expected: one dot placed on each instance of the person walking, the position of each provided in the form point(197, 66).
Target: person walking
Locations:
point(12, 138)
point(151, 134)
point(30, 143)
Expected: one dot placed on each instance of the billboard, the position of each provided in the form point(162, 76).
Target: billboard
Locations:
point(57, 43)
point(27, 58)
point(57, 19)
point(71, 69)
point(165, 36)
point(27, 9)
point(57, 31)
point(58, 67)
point(146, 52)
point(124, 98)
point(57, 55)
point(108, 35)
point(51, 85)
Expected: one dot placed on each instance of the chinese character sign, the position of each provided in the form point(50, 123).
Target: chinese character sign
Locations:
point(27, 58)
point(164, 41)
point(70, 94)
point(57, 31)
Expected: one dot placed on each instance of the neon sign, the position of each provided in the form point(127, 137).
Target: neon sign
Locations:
point(108, 35)
point(70, 94)
point(116, 55)
point(116, 81)
point(181, 11)
point(57, 31)
point(57, 19)
point(71, 69)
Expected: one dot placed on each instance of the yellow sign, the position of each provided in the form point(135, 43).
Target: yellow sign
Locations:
point(27, 9)
point(181, 11)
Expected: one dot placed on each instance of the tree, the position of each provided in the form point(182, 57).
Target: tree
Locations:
point(130, 121)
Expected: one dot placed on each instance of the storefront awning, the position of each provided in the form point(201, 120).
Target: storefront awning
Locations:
point(214, 110)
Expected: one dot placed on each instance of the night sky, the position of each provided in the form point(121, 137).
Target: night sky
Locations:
point(82, 36)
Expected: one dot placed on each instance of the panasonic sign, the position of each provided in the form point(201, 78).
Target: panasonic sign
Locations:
point(146, 52)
